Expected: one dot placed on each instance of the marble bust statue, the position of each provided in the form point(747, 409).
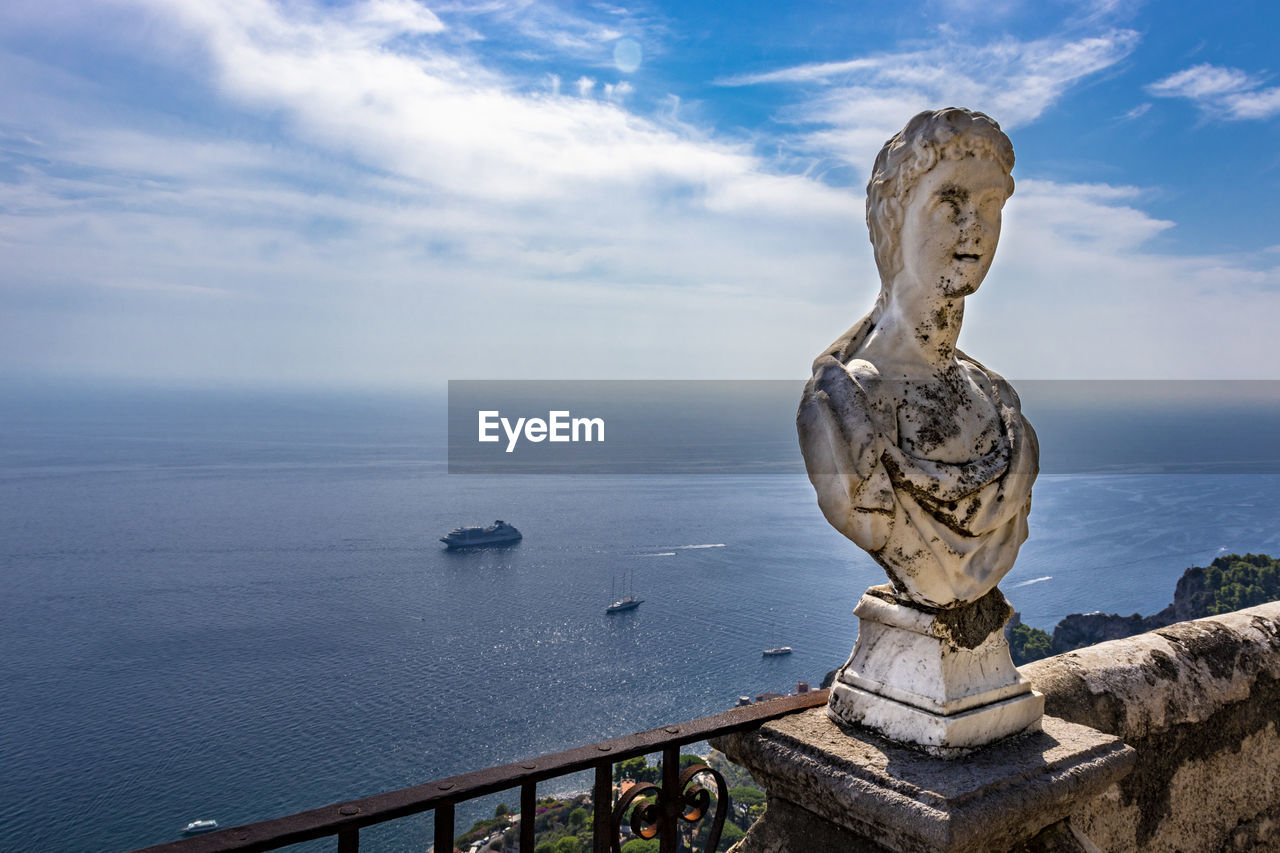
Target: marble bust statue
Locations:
point(918, 452)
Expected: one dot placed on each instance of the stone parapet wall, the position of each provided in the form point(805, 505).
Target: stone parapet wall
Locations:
point(1200, 703)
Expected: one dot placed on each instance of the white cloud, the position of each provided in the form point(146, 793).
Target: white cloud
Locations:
point(1203, 81)
point(396, 212)
point(821, 72)
point(403, 17)
point(1137, 112)
point(1260, 104)
point(1090, 217)
point(1077, 292)
point(411, 192)
point(430, 115)
point(1227, 93)
point(858, 103)
point(544, 25)
point(619, 91)
point(1099, 11)
point(585, 86)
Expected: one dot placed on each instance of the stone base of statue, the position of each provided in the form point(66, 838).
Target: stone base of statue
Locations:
point(840, 790)
point(939, 680)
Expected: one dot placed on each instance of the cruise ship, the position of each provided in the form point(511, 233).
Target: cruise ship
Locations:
point(498, 533)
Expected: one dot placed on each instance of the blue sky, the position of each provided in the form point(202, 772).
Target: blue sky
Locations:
point(387, 194)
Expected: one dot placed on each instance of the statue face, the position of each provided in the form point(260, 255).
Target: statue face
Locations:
point(951, 225)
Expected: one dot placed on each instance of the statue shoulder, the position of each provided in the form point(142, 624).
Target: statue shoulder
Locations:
point(1000, 387)
point(858, 379)
point(842, 429)
point(854, 396)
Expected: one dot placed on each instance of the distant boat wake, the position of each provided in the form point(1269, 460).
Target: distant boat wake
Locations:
point(1033, 580)
point(679, 548)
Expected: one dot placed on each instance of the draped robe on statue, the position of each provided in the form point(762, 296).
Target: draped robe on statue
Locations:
point(945, 532)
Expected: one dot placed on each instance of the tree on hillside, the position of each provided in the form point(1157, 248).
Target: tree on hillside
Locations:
point(641, 845)
point(568, 844)
point(1027, 644)
point(1234, 582)
point(729, 837)
point(734, 775)
point(637, 770)
point(748, 805)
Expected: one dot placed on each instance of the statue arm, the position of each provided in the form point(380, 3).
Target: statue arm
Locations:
point(842, 446)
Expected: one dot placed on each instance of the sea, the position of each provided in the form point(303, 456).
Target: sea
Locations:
point(233, 605)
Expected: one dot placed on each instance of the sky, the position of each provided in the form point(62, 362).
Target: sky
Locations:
point(389, 194)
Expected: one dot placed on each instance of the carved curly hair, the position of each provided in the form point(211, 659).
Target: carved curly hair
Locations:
point(951, 134)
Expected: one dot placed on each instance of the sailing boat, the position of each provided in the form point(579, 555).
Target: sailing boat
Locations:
point(630, 602)
point(777, 651)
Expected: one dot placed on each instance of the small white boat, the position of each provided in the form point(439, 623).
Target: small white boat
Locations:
point(198, 826)
point(780, 650)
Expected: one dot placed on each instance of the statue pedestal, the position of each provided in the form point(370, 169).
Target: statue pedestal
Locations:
point(842, 790)
point(939, 680)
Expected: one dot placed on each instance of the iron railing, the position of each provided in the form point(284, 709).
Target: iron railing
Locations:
point(655, 810)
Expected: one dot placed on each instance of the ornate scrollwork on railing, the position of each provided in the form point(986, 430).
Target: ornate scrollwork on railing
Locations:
point(654, 813)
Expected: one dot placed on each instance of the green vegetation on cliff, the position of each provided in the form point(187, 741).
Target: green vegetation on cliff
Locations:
point(1027, 644)
point(559, 825)
point(1229, 583)
point(1232, 583)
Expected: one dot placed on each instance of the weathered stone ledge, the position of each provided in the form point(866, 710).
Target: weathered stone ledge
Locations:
point(1199, 701)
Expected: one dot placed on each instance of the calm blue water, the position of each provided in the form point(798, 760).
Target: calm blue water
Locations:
point(231, 607)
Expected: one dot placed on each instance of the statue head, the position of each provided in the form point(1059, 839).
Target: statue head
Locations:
point(932, 136)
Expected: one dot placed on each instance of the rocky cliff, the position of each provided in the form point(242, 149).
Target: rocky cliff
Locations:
point(1228, 583)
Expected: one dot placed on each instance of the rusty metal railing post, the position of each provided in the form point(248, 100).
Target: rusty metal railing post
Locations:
point(528, 815)
point(669, 836)
point(444, 828)
point(602, 806)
